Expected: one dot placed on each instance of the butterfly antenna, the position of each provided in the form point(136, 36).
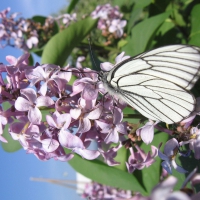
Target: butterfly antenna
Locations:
point(91, 54)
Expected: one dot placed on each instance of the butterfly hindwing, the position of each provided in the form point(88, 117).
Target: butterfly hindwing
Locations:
point(159, 99)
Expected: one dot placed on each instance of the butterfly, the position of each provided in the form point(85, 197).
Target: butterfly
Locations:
point(157, 83)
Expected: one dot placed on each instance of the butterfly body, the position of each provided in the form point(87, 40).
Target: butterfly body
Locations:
point(157, 82)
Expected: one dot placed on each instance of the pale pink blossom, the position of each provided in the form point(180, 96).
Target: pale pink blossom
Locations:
point(146, 132)
point(169, 156)
point(31, 104)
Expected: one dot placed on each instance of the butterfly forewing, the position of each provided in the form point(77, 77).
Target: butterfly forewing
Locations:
point(156, 83)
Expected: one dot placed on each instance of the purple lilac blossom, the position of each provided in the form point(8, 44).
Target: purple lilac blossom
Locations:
point(146, 132)
point(26, 34)
point(77, 116)
point(169, 156)
point(110, 19)
point(139, 160)
point(98, 191)
point(194, 141)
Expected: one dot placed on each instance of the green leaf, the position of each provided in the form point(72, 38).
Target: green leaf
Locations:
point(121, 43)
point(125, 6)
point(158, 7)
point(142, 34)
point(45, 113)
point(60, 46)
point(38, 51)
point(141, 4)
point(122, 157)
point(39, 18)
point(179, 18)
point(166, 34)
point(104, 174)
point(188, 163)
point(131, 116)
point(135, 14)
point(12, 145)
point(72, 5)
point(129, 5)
point(30, 60)
point(195, 26)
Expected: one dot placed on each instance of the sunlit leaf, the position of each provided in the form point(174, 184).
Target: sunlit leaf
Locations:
point(12, 145)
point(142, 34)
point(195, 31)
point(72, 5)
point(60, 46)
point(104, 174)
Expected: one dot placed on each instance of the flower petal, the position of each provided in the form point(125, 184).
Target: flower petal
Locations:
point(51, 121)
point(170, 146)
point(34, 115)
point(166, 165)
point(94, 114)
point(84, 125)
point(22, 104)
point(43, 89)
point(89, 92)
point(69, 140)
point(113, 136)
point(30, 94)
point(178, 195)
point(49, 144)
point(11, 59)
point(177, 167)
point(3, 139)
point(75, 113)
point(106, 66)
point(64, 158)
point(162, 190)
point(44, 101)
point(87, 154)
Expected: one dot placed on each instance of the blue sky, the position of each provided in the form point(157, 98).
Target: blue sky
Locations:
point(17, 168)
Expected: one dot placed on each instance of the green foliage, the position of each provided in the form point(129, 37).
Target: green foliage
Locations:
point(61, 45)
point(142, 34)
point(104, 174)
point(195, 26)
point(12, 145)
point(72, 5)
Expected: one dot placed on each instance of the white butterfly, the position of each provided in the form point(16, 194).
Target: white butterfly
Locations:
point(157, 82)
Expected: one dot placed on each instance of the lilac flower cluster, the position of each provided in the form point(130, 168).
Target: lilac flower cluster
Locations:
point(65, 20)
point(27, 34)
point(185, 134)
point(80, 117)
point(98, 191)
point(77, 116)
point(110, 20)
point(13, 30)
point(164, 189)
